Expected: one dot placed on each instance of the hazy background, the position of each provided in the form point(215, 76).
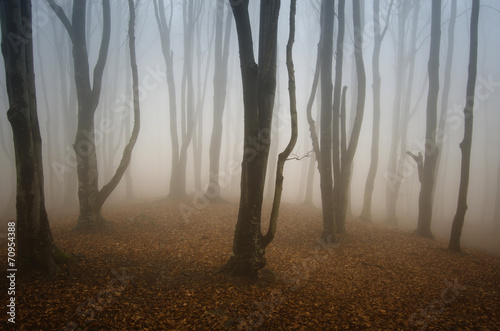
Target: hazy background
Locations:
point(150, 163)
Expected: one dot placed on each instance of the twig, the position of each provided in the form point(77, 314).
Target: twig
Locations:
point(300, 157)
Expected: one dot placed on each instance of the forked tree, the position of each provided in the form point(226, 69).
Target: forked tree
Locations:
point(90, 197)
point(348, 145)
point(259, 84)
point(466, 144)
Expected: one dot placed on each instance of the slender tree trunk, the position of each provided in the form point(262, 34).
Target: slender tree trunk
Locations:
point(446, 83)
point(466, 144)
point(431, 152)
point(378, 38)
point(308, 198)
point(202, 81)
point(164, 28)
point(405, 113)
point(312, 129)
point(325, 164)
point(393, 180)
point(35, 246)
point(349, 148)
point(336, 140)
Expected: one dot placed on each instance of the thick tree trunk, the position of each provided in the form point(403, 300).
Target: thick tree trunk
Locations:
point(425, 201)
point(259, 83)
point(325, 164)
point(466, 144)
point(35, 247)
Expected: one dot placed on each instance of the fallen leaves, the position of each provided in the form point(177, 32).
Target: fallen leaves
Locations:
point(375, 278)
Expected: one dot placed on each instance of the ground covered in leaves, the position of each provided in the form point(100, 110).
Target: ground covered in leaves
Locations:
point(156, 269)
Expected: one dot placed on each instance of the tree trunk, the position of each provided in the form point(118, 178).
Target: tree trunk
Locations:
point(378, 38)
point(221, 47)
point(393, 180)
point(446, 82)
point(259, 83)
point(349, 151)
point(336, 140)
point(90, 197)
point(325, 164)
point(466, 144)
point(425, 201)
point(34, 239)
point(164, 28)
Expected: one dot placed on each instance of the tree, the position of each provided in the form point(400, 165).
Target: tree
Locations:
point(393, 180)
point(337, 135)
point(188, 120)
point(312, 128)
point(446, 91)
point(325, 159)
point(36, 247)
point(165, 29)
point(259, 84)
point(466, 144)
point(222, 38)
point(425, 201)
point(348, 148)
point(91, 199)
point(372, 171)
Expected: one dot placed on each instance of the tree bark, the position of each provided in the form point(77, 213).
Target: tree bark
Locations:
point(425, 201)
point(466, 144)
point(35, 246)
point(259, 83)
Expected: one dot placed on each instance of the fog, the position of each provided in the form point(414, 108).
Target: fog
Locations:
point(150, 167)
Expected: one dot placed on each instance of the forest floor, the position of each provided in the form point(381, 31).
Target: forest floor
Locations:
point(155, 269)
